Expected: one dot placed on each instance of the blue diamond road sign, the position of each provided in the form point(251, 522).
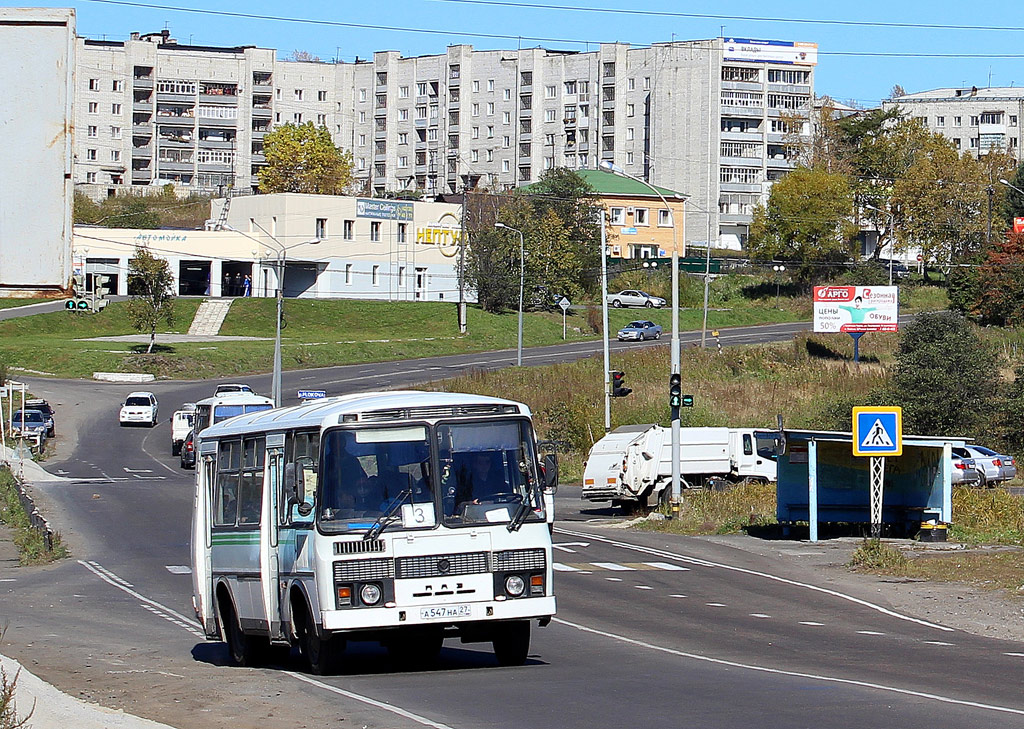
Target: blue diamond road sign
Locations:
point(877, 431)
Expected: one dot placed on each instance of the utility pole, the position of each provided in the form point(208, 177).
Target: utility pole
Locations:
point(463, 236)
point(604, 324)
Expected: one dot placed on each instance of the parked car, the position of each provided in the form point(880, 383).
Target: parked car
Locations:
point(181, 424)
point(899, 268)
point(995, 467)
point(633, 297)
point(28, 424)
point(187, 452)
point(231, 387)
point(47, 411)
point(965, 472)
point(139, 407)
point(639, 331)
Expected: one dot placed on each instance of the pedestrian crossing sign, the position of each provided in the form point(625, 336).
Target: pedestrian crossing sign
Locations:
point(877, 431)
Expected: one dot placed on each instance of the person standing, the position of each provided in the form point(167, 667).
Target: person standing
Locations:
point(237, 289)
point(225, 286)
point(247, 286)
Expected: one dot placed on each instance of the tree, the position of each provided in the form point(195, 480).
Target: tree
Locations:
point(806, 219)
point(946, 378)
point(1013, 201)
point(896, 92)
point(1000, 294)
point(304, 158)
point(152, 298)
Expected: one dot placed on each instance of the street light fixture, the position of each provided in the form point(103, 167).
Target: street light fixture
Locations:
point(522, 278)
point(610, 166)
point(279, 271)
point(892, 224)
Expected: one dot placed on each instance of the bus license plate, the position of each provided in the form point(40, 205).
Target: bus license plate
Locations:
point(445, 611)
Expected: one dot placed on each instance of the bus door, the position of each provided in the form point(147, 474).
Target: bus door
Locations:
point(270, 527)
point(202, 538)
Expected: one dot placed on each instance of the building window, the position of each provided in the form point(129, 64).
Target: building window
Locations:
point(92, 131)
point(550, 115)
point(490, 85)
point(664, 218)
point(506, 141)
point(1013, 120)
point(403, 92)
point(94, 107)
point(403, 115)
point(630, 110)
point(475, 110)
point(348, 274)
point(992, 117)
point(786, 76)
point(117, 85)
point(940, 121)
point(490, 155)
point(115, 109)
point(115, 155)
point(505, 166)
point(956, 142)
point(403, 161)
point(736, 73)
point(321, 120)
point(346, 229)
point(974, 121)
point(617, 216)
point(507, 95)
point(629, 158)
point(403, 230)
point(506, 117)
point(958, 121)
point(320, 229)
point(362, 117)
point(375, 275)
point(974, 142)
point(90, 177)
point(375, 231)
point(90, 154)
point(740, 175)
point(94, 84)
point(297, 117)
point(321, 96)
point(362, 140)
point(550, 91)
point(298, 94)
point(630, 131)
point(403, 137)
point(647, 83)
point(382, 101)
point(640, 217)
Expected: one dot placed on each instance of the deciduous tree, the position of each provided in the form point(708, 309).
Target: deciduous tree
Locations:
point(1001, 285)
point(151, 285)
point(304, 158)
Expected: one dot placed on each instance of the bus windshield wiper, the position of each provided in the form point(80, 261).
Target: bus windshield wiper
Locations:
point(520, 516)
point(388, 517)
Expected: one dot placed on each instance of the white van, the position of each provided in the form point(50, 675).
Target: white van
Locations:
point(181, 424)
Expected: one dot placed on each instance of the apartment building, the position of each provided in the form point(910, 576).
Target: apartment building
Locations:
point(709, 118)
point(975, 120)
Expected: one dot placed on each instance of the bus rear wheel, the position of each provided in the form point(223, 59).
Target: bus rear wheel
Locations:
point(511, 642)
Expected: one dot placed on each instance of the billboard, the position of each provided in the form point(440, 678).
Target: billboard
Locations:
point(856, 309)
point(769, 51)
point(383, 209)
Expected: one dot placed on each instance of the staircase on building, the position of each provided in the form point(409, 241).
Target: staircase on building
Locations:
point(209, 317)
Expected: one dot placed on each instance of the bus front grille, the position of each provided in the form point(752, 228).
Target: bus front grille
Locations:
point(515, 560)
point(442, 565)
point(364, 569)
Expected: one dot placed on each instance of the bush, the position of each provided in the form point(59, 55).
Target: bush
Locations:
point(872, 554)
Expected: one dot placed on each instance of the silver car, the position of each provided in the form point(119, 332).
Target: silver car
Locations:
point(635, 297)
point(965, 471)
point(638, 331)
point(995, 467)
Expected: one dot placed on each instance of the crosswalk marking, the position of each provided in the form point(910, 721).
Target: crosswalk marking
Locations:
point(618, 567)
point(667, 566)
point(613, 566)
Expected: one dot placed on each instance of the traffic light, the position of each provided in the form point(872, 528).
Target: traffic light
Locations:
point(617, 388)
point(101, 287)
point(687, 401)
point(675, 391)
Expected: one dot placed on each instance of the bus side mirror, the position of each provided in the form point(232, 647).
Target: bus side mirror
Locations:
point(550, 464)
point(294, 484)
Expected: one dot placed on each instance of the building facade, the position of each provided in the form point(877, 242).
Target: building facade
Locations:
point(975, 120)
point(708, 117)
point(328, 247)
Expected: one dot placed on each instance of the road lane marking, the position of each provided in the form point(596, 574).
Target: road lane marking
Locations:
point(939, 642)
point(179, 569)
point(1015, 655)
point(667, 566)
point(812, 623)
point(564, 549)
point(614, 567)
point(559, 567)
point(367, 700)
point(755, 573)
point(137, 470)
point(677, 595)
point(715, 604)
point(869, 632)
point(614, 579)
point(760, 616)
point(643, 587)
point(784, 672)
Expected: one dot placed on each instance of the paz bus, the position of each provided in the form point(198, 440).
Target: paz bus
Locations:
point(212, 410)
point(398, 517)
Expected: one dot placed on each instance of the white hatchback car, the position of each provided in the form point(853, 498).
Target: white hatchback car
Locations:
point(139, 407)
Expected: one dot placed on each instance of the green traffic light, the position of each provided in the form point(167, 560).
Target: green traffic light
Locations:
point(69, 304)
point(687, 401)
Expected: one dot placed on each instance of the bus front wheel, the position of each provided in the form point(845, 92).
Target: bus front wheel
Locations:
point(244, 650)
point(322, 652)
point(512, 642)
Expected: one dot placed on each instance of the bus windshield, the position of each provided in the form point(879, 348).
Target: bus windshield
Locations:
point(367, 470)
point(223, 412)
point(488, 472)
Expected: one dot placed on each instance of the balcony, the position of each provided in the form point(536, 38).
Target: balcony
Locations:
point(216, 143)
point(262, 112)
point(225, 165)
point(165, 97)
point(142, 130)
point(142, 150)
point(143, 107)
point(999, 129)
point(218, 123)
point(175, 166)
point(222, 99)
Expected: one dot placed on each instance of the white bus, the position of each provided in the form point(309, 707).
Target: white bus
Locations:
point(212, 410)
point(398, 517)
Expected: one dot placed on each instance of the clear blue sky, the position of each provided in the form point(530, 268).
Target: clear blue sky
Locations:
point(859, 61)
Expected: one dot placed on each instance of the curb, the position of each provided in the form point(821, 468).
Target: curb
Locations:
point(45, 707)
point(123, 377)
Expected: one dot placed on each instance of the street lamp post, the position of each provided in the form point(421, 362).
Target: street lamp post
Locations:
point(522, 280)
point(779, 270)
point(610, 166)
point(892, 224)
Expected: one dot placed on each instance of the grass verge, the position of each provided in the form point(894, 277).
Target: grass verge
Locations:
point(31, 542)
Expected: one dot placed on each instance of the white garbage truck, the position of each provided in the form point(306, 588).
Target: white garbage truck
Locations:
point(632, 465)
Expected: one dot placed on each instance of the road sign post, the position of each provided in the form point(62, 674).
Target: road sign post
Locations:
point(565, 304)
point(877, 433)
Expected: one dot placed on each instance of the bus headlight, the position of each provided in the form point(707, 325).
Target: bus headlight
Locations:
point(370, 594)
point(514, 585)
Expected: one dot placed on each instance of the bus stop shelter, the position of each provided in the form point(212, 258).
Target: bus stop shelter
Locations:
point(820, 480)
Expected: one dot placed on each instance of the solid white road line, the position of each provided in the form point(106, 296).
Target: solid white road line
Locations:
point(754, 573)
point(783, 672)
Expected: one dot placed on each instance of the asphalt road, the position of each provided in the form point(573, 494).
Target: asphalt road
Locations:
point(651, 631)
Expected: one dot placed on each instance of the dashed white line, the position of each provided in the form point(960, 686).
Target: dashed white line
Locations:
point(643, 587)
point(939, 642)
point(869, 632)
point(179, 569)
point(760, 616)
point(677, 595)
point(715, 604)
point(812, 623)
point(1015, 655)
point(614, 579)
point(559, 567)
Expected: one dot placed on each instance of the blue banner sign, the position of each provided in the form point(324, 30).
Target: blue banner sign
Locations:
point(383, 209)
point(312, 394)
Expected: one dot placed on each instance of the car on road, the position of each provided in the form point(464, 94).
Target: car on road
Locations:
point(28, 423)
point(635, 297)
point(181, 424)
point(639, 331)
point(47, 411)
point(187, 452)
point(231, 387)
point(965, 472)
point(139, 407)
point(994, 467)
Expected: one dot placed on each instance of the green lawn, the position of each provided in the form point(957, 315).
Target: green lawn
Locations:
point(9, 303)
point(322, 333)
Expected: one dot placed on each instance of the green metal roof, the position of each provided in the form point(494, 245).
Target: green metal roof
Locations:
point(607, 184)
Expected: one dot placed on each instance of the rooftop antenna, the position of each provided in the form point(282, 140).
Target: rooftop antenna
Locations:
point(990, 77)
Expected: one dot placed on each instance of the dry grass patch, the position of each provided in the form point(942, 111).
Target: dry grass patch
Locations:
point(722, 512)
point(981, 568)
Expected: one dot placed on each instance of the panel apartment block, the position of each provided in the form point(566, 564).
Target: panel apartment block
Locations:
point(705, 117)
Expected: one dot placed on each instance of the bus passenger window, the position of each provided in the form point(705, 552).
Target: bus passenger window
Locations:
point(225, 495)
